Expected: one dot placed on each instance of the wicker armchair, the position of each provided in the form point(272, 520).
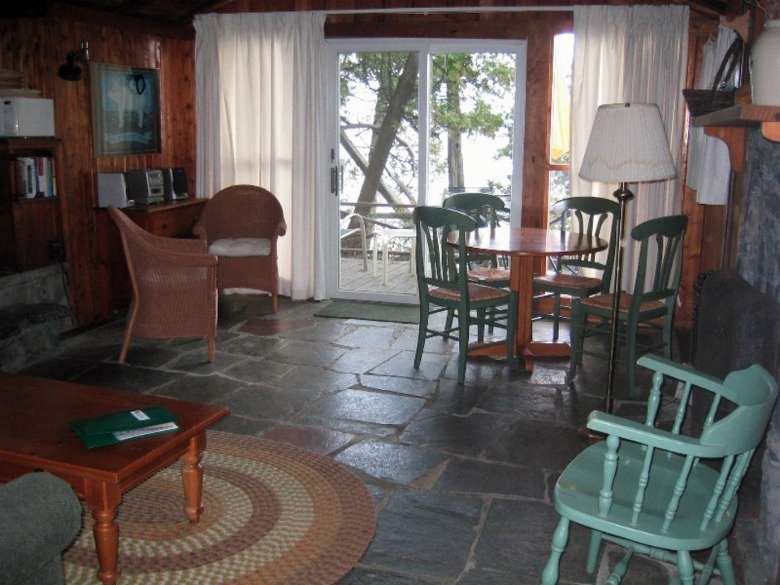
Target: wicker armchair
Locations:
point(174, 286)
point(241, 225)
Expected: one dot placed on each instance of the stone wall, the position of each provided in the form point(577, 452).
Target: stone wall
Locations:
point(758, 257)
point(759, 263)
point(34, 311)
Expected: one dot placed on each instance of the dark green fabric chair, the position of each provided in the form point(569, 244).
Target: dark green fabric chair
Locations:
point(593, 216)
point(442, 282)
point(661, 492)
point(650, 306)
point(487, 269)
point(40, 516)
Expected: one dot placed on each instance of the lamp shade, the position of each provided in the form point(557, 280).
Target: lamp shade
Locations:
point(627, 144)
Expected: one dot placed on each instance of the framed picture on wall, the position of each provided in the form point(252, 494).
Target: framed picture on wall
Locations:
point(125, 109)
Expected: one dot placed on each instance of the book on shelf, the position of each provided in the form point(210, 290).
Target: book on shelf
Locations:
point(34, 176)
point(125, 425)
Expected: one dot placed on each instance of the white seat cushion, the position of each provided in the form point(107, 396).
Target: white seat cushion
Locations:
point(241, 247)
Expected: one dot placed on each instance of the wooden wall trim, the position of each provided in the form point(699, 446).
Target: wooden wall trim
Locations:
point(38, 46)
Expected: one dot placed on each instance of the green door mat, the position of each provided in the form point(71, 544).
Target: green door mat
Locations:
point(370, 311)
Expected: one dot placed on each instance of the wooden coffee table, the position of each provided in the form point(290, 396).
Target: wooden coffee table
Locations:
point(35, 414)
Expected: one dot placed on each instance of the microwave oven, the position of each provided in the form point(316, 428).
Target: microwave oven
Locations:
point(26, 116)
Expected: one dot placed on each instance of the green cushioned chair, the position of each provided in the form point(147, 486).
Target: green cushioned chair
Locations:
point(40, 517)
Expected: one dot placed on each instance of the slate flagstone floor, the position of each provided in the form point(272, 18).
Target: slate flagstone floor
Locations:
point(462, 476)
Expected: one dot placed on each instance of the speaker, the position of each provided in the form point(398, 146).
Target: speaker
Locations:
point(174, 184)
point(111, 190)
point(180, 183)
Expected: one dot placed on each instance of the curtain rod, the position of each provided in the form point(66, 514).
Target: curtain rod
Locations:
point(452, 10)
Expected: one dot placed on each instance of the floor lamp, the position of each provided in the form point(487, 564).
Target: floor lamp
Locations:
point(627, 144)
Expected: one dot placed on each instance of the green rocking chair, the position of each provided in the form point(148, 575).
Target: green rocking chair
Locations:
point(442, 281)
point(663, 493)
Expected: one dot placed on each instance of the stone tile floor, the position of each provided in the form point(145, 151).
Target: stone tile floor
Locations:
point(462, 476)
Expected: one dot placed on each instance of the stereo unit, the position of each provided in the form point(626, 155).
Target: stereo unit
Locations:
point(174, 184)
point(144, 187)
point(111, 190)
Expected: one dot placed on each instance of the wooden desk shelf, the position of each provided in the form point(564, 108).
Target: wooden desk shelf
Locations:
point(730, 124)
point(744, 116)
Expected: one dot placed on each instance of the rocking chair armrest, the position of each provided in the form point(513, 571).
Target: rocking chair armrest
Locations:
point(680, 372)
point(610, 424)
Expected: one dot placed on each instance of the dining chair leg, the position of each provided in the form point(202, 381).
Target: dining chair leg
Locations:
point(481, 325)
point(577, 334)
point(511, 327)
point(463, 341)
point(667, 336)
point(557, 316)
point(631, 330)
point(685, 567)
point(448, 322)
point(725, 565)
point(422, 330)
point(593, 551)
point(560, 538)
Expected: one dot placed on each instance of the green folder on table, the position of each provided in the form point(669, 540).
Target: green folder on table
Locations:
point(126, 425)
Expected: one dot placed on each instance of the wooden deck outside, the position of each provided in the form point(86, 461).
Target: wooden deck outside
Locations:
point(399, 279)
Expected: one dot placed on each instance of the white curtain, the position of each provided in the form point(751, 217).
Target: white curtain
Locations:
point(630, 54)
point(709, 167)
point(261, 114)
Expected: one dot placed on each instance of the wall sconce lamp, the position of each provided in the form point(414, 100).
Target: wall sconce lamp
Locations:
point(70, 71)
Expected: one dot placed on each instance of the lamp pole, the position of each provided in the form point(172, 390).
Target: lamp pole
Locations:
point(622, 194)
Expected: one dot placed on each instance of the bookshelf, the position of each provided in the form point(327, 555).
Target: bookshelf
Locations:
point(29, 224)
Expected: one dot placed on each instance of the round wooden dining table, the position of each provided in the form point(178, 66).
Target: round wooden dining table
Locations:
point(525, 247)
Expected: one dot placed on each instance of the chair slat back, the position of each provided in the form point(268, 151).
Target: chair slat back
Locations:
point(592, 216)
point(660, 237)
point(482, 208)
point(732, 438)
point(437, 265)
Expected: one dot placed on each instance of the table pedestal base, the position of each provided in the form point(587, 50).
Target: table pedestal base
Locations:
point(533, 351)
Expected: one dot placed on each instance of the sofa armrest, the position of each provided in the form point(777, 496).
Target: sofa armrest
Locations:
point(39, 517)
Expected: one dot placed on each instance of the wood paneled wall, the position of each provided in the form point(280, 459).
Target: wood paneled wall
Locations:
point(37, 46)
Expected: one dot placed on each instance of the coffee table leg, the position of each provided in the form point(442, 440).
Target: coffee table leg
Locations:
point(192, 477)
point(103, 501)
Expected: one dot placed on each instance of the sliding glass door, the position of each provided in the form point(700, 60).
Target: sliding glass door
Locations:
point(412, 123)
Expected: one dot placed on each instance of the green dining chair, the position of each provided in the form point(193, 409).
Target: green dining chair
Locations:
point(487, 269)
point(650, 306)
point(663, 493)
point(593, 216)
point(442, 283)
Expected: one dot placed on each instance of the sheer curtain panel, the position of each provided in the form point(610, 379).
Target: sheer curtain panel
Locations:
point(630, 54)
point(261, 113)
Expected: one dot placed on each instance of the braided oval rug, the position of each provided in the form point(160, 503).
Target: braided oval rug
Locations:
point(273, 515)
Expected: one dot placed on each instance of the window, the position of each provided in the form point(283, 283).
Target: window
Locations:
point(559, 155)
